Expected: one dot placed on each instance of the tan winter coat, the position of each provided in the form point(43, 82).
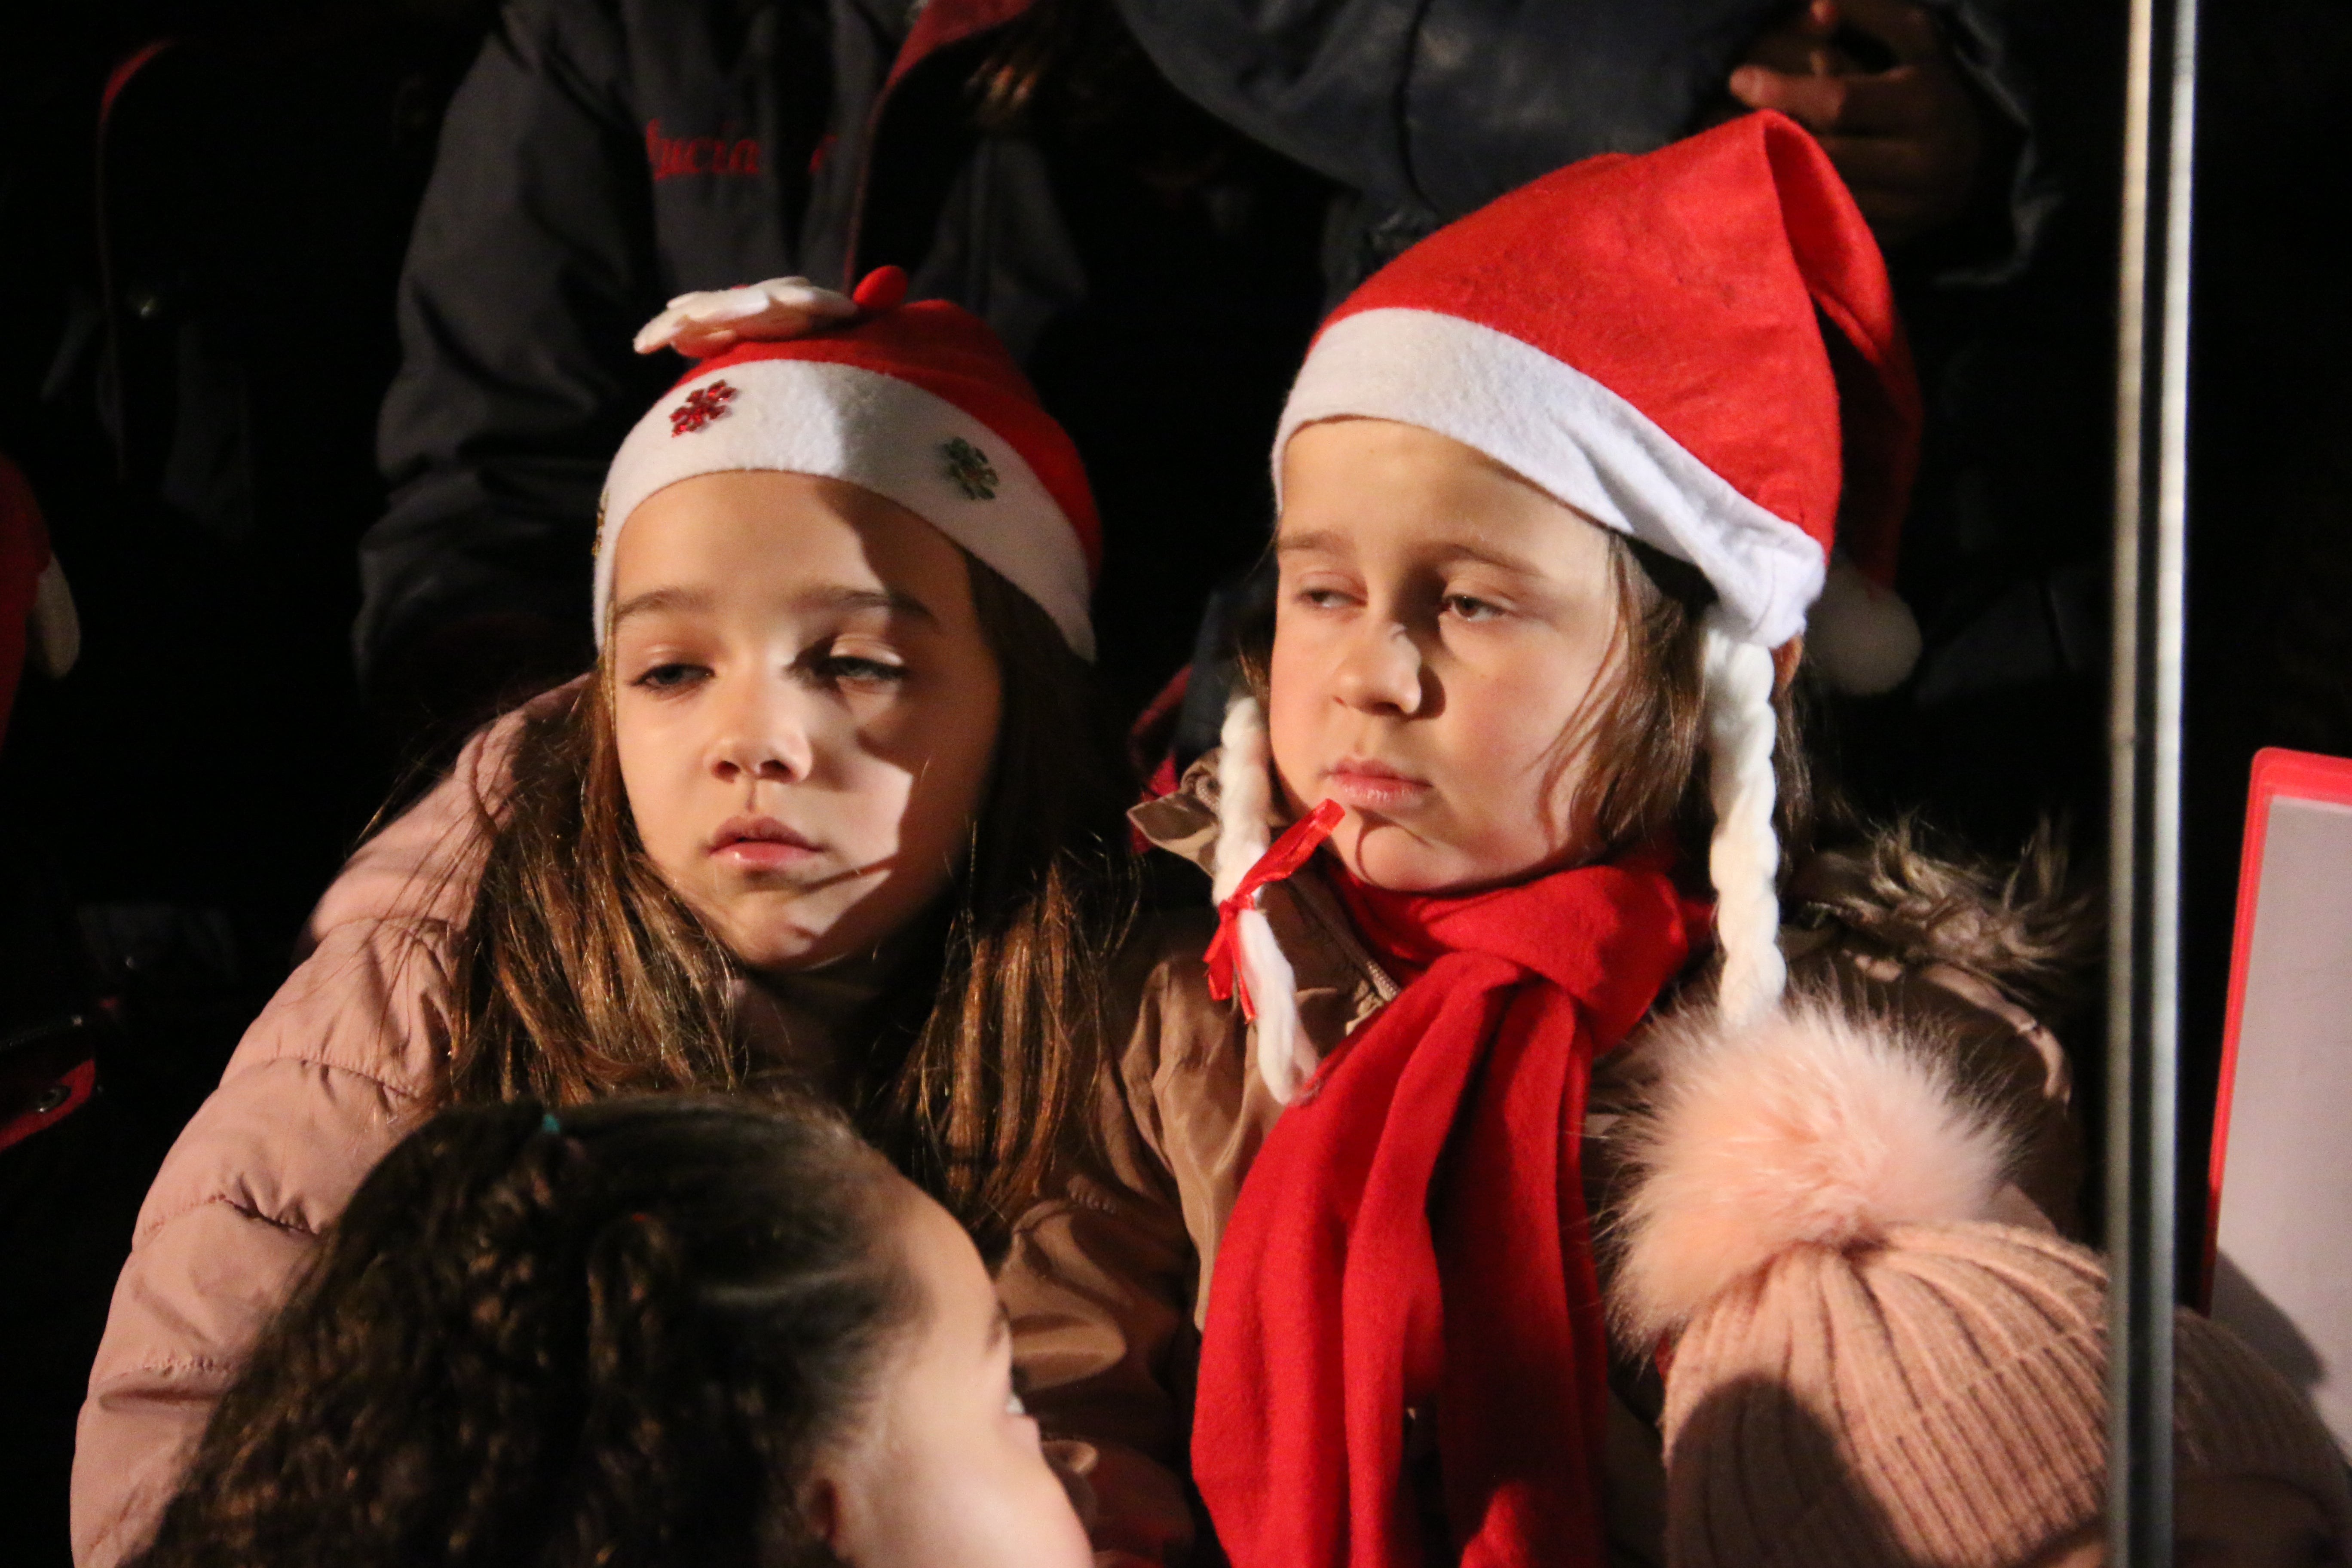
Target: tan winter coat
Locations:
point(1108, 1281)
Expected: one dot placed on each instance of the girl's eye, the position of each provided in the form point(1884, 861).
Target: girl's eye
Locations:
point(1464, 607)
point(669, 676)
point(849, 669)
point(1322, 598)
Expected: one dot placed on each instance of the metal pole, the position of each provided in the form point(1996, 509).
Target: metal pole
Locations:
point(2143, 1023)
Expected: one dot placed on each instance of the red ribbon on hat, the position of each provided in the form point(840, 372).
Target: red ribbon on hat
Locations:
point(1284, 857)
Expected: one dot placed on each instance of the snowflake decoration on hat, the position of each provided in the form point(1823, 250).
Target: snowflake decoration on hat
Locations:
point(703, 405)
point(969, 467)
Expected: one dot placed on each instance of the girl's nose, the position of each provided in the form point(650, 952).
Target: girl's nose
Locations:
point(1380, 670)
point(763, 733)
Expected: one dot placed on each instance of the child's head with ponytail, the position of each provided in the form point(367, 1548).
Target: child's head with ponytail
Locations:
point(661, 1331)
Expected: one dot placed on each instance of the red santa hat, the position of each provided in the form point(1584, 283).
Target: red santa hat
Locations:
point(918, 403)
point(1643, 338)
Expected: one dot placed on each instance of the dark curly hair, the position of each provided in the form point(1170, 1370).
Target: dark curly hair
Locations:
point(622, 1340)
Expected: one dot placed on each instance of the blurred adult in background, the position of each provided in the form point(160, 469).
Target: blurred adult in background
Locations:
point(1154, 270)
point(1425, 112)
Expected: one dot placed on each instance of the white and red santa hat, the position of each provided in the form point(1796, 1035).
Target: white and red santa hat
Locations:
point(1646, 339)
point(918, 403)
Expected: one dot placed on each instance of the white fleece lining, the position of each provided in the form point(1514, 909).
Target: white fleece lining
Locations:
point(888, 436)
point(1560, 429)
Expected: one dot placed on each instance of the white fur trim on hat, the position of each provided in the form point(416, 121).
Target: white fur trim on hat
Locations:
point(1809, 1127)
point(875, 431)
point(1285, 1058)
point(1563, 431)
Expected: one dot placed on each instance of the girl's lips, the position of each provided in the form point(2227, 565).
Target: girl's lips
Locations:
point(764, 854)
point(1366, 785)
point(761, 844)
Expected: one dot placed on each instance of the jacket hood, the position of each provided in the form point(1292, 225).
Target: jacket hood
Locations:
point(1184, 822)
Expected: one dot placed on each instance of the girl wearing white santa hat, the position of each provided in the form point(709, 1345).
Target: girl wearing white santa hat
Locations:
point(826, 815)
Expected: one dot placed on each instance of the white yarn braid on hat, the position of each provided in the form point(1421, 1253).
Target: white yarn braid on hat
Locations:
point(1244, 828)
point(1744, 857)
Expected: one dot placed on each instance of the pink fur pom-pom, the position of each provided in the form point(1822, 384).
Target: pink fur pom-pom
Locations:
point(1809, 1128)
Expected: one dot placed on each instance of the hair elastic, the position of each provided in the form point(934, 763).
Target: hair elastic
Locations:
point(548, 1123)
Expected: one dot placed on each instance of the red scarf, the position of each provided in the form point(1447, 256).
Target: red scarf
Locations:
point(1414, 1229)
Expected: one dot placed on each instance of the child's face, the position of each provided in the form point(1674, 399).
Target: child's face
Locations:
point(805, 708)
point(1441, 622)
point(948, 1470)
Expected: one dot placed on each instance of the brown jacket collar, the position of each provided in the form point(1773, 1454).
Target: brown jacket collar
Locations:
point(1340, 984)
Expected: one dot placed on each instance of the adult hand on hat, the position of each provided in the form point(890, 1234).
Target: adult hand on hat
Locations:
point(701, 324)
point(1906, 139)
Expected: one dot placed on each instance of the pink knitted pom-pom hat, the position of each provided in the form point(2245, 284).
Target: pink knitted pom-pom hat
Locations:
point(1875, 1352)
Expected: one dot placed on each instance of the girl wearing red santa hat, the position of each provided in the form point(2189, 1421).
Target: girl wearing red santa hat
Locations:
point(826, 816)
point(1514, 773)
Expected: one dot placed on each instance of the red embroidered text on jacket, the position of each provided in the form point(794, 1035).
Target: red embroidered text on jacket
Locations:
point(674, 155)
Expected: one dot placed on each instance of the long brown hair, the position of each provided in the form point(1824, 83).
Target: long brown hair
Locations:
point(624, 1336)
point(1642, 734)
point(581, 973)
